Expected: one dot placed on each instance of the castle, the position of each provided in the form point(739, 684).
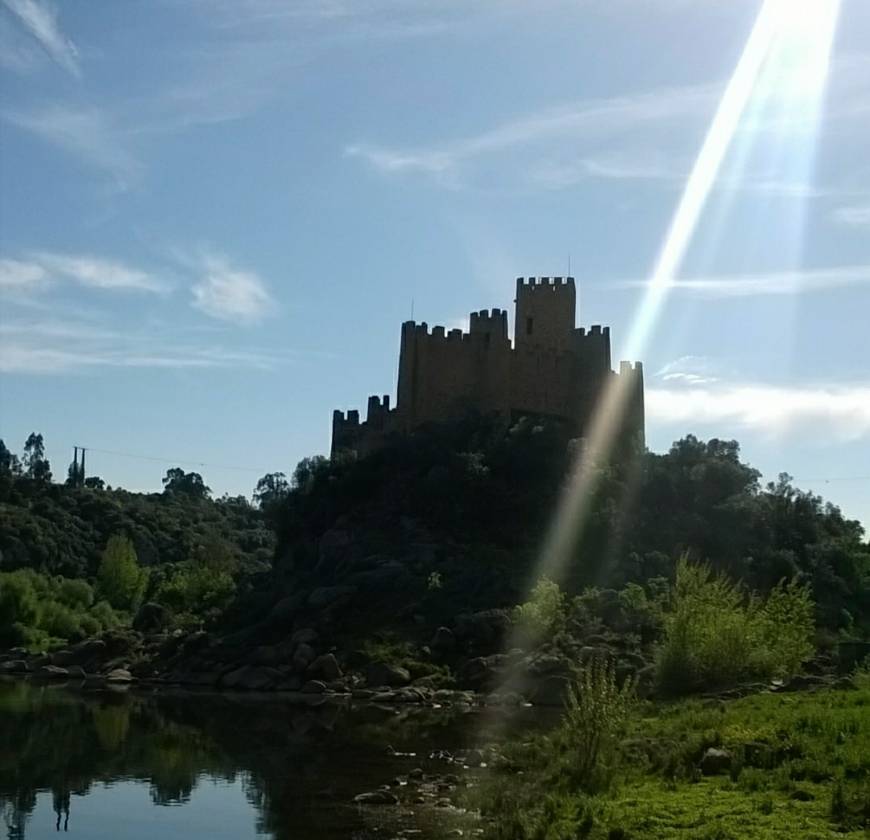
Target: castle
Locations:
point(553, 369)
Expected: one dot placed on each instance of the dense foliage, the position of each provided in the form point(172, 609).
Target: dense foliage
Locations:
point(495, 491)
point(179, 547)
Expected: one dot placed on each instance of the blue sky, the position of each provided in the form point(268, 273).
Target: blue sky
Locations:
point(215, 214)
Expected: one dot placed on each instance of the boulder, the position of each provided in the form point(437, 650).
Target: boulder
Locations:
point(443, 641)
point(551, 691)
point(252, 678)
point(485, 628)
point(326, 666)
point(13, 666)
point(150, 618)
point(305, 635)
point(482, 671)
point(327, 596)
point(715, 761)
point(383, 673)
point(375, 797)
point(51, 672)
point(314, 687)
point(84, 653)
point(119, 675)
point(303, 657)
point(283, 612)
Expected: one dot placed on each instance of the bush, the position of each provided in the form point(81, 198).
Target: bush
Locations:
point(120, 580)
point(597, 709)
point(716, 635)
point(545, 611)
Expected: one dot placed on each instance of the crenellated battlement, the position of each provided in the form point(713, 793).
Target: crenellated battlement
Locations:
point(549, 283)
point(551, 369)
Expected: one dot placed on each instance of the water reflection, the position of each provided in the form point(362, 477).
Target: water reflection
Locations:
point(240, 766)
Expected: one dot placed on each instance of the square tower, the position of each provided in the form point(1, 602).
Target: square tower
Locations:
point(545, 312)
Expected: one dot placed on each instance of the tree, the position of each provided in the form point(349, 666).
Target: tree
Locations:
point(10, 466)
point(178, 482)
point(35, 462)
point(94, 482)
point(307, 470)
point(271, 489)
point(120, 580)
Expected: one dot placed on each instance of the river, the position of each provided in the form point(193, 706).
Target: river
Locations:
point(165, 765)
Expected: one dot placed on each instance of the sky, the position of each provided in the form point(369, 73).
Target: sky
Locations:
point(215, 215)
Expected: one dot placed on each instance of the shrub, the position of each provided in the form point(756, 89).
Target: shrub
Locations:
point(545, 611)
point(597, 709)
point(716, 635)
point(120, 580)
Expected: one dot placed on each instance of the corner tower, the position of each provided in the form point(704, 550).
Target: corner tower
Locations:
point(545, 312)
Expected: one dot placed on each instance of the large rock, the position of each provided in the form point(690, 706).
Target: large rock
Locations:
point(150, 618)
point(715, 761)
point(383, 673)
point(327, 596)
point(13, 666)
point(375, 797)
point(303, 657)
point(327, 667)
point(119, 675)
point(486, 628)
point(304, 635)
point(483, 671)
point(331, 550)
point(85, 653)
point(551, 691)
point(443, 642)
point(252, 678)
point(51, 672)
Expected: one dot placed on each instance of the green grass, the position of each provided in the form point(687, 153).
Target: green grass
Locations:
point(801, 770)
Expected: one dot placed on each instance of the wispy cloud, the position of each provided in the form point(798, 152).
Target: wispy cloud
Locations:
point(21, 274)
point(689, 370)
point(42, 267)
point(85, 133)
point(825, 412)
point(767, 283)
point(230, 294)
point(51, 346)
point(589, 119)
point(39, 19)
point(857, 216)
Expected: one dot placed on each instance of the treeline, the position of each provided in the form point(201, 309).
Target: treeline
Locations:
point(496, 491)
point(80, 557)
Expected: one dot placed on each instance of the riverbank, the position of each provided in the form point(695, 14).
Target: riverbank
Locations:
point(769, 765)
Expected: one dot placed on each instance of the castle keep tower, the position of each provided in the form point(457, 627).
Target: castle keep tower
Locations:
point(553, 369)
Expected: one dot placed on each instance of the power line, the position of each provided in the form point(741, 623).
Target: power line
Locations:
point(178, 461)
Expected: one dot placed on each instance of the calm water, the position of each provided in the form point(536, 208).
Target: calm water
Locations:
point(130, 766)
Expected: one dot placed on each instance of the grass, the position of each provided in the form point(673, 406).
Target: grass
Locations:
point(800, 769)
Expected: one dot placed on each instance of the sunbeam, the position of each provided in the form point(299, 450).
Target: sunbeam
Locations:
point(789, 47)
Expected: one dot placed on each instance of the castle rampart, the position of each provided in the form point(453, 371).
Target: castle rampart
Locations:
point(552, 369)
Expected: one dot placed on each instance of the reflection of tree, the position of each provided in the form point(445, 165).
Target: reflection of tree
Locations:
point(295, 764)
point(111, 723)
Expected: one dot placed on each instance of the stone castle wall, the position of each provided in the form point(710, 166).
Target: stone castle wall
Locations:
point(552, 370)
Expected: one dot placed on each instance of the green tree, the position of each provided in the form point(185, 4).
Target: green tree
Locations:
point(120, 580)
point(178, 482)
point(271, 490)
point(35, 462)
point(19, 604)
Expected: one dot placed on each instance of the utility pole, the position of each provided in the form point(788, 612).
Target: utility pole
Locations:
point(82, 469)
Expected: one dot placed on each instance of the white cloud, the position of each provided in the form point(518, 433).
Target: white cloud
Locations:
point(96, 272)
point(824, 413)
point(20, 274)
point(83, 132)
point(52, 346)
point(41, 267)
point(230, 294)
point(39, 18)
point(855, 216)
point(589, 119)
point(689, 370)
point(767, 283)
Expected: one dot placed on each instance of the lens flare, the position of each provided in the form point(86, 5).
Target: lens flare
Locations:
point(784, 60)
